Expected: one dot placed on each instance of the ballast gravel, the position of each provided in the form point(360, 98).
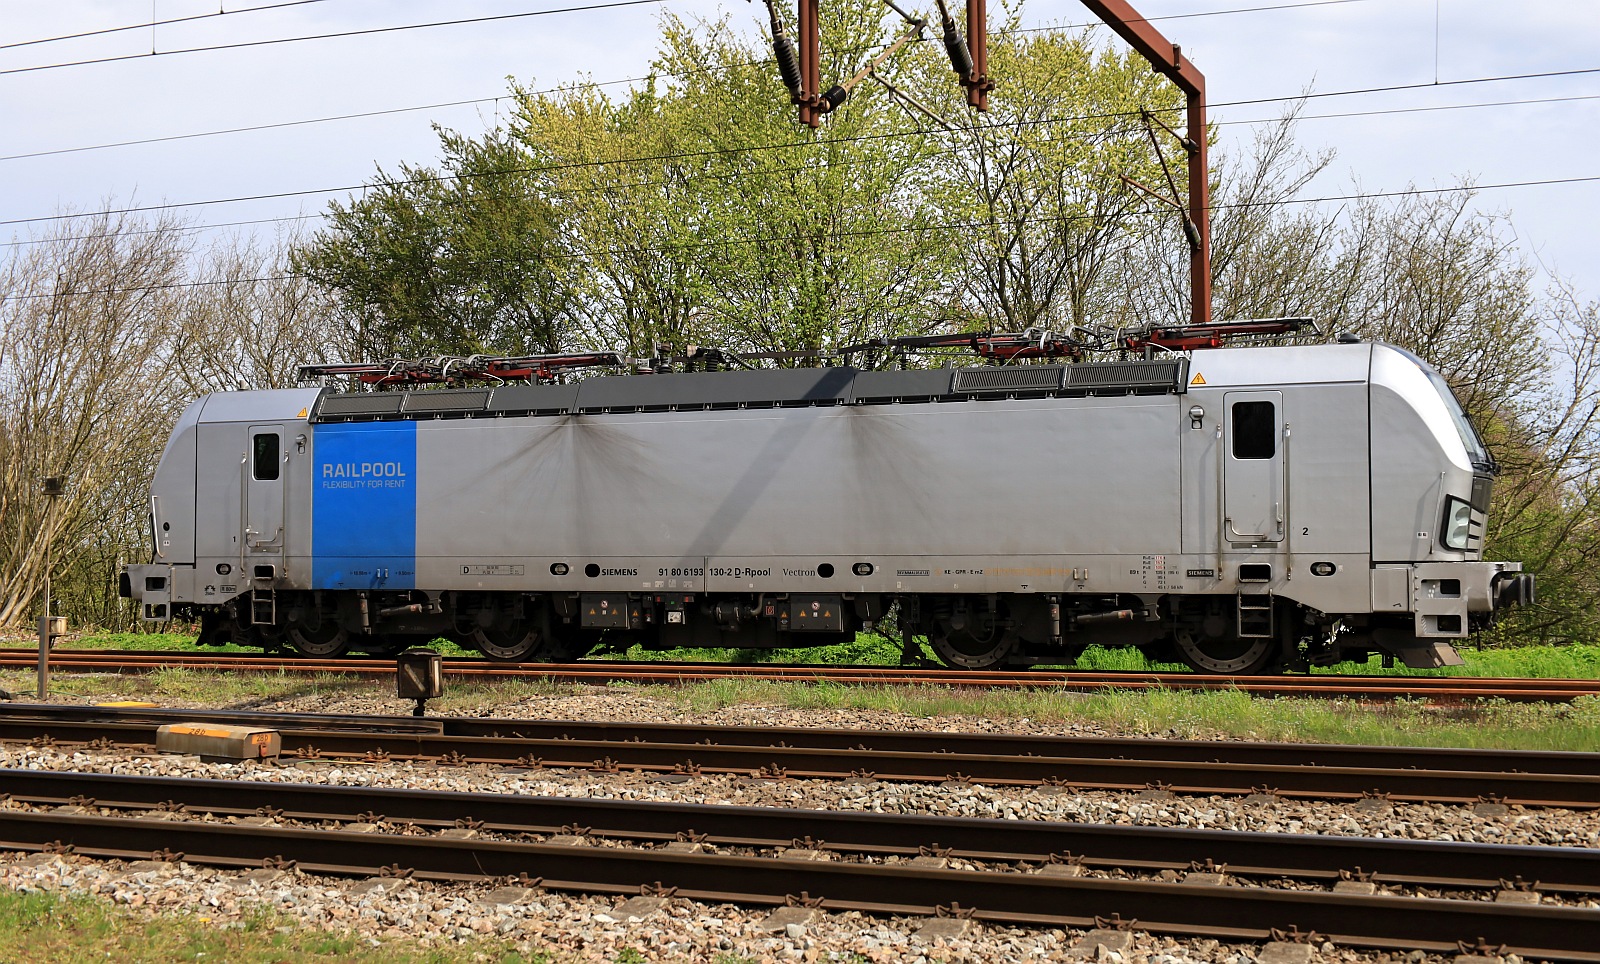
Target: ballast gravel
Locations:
point(580, 928)
point(585, 928)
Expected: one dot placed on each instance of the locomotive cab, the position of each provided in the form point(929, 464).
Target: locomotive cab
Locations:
point(1340, 489)
point(222, 514)
point(1430, 582)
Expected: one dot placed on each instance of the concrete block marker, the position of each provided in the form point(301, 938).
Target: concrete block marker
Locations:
point(506, 896)
point(252, 879)
point(1062, 870)
point(780, 920)
point(212, 742)
point(567, 840)
point(1286, 952)
point(458, 833)
point(635, 909)
point(1101, 941)
point(161, 868)
point(947, 928)
point(1363, 888)
point(1516, 897)
point(387, 885)
point(1201, 878)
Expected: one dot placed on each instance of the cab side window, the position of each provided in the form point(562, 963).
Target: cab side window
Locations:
point(265, 461)
point(1254, 436)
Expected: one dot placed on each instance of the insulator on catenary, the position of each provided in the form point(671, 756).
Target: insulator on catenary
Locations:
point(788, 63)
point(1192, 233)
point(835, 96)
point(956, 46)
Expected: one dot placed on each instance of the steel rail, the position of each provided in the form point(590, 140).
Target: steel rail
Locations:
point(1550, 932)
point(911, 741)
point(1270, 855)
point(380, 664)
point(996, 766)
point(1367, 687)
point(1205, 751)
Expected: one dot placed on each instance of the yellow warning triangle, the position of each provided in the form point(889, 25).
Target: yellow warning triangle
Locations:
point(1198, 379)
point(302, 413)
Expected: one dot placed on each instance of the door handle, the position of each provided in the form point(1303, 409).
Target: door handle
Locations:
point(1236, 535)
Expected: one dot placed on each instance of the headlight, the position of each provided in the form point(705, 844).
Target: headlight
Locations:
point(1457, 524)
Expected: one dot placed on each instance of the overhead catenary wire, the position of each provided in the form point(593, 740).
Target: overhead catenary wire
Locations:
point(877, 232)
point(190, 18)
point(262, 127)
point(322, 215)
point(791, 145)
point(611, 83)
point(319, 215)
point(365, 31)
point(292, 3)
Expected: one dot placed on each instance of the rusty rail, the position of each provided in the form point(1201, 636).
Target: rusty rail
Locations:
point(1300, 771)
point(1012, 893)
point(603, 671)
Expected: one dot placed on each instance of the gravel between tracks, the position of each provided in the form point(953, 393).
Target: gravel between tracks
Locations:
point(582, 928)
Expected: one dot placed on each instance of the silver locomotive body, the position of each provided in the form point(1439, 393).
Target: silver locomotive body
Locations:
point(1243, 507)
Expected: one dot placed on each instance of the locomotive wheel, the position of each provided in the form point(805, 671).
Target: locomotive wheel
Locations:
point(1224, 655)
point(508, 632)
point(962, 650)
point(509, 642)
point(325, 639)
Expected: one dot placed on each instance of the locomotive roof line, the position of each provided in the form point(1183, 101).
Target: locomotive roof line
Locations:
point(765, 388)
point(997, 348)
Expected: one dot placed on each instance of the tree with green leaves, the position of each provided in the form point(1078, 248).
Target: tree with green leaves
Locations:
point(708, 216)
point(1037, 182)
point(694, 210)
point(468, 258)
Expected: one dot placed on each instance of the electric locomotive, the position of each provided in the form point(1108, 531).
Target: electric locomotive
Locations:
point(1245, 508)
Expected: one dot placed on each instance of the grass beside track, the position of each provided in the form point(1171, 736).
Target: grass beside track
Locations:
point(63, 929)
point(1541, 662)
point(1172, 714)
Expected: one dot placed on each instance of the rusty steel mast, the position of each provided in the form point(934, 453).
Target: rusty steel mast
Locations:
point(803, 76)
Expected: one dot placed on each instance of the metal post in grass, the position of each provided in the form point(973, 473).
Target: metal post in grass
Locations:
point(419, 675)
point(49, 626)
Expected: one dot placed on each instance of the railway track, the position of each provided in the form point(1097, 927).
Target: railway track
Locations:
point(1303, 771)
point(604, 671)
point(1418, 894)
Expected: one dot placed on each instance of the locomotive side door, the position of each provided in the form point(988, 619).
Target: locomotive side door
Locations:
point(1254, 507)
point(263, 483)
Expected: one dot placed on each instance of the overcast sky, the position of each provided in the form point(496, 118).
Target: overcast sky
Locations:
point(1328, 47)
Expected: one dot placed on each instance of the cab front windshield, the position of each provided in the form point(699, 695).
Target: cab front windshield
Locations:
point(1477, 452)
